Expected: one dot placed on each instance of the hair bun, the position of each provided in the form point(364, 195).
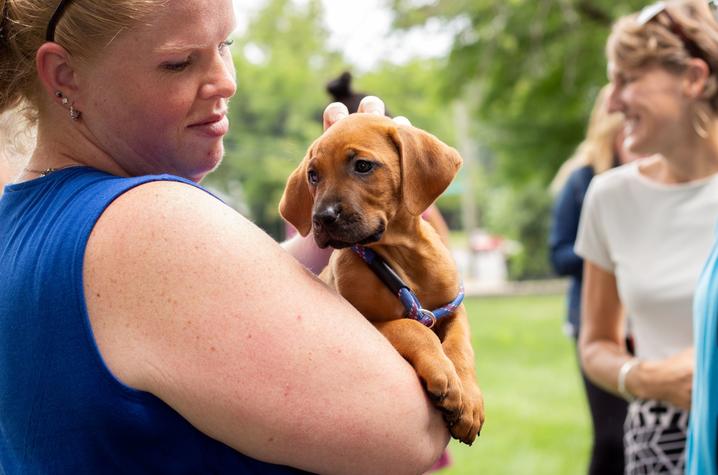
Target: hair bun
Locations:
point(340, 87)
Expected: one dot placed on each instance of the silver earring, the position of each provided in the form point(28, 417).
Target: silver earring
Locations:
point(74, 113)
point(62, 98)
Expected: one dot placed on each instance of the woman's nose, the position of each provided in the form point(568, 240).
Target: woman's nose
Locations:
point(222, 79)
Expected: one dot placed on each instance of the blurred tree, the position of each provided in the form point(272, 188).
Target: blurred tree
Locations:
point(523, 215)
point(537, 65)
point(529, 70)
point(412, 90)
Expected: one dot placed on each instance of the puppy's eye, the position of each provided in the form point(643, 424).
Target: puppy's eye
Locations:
point(313, 177)
point(363, 166)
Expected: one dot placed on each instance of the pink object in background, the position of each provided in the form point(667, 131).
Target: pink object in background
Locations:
point(443, 462)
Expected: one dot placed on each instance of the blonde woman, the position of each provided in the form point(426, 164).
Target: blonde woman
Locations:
point(647, 228)
point(600, 151)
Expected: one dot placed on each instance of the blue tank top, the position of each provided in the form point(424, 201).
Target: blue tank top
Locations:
point(61, 410)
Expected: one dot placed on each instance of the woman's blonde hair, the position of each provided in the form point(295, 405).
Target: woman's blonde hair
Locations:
point(18, 140)
point(685, 29)
point(84, 29)
point(597, 149)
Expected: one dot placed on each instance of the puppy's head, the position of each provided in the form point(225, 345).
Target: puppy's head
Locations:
point(357, 176)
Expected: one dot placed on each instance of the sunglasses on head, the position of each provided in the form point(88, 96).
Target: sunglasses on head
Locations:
point(652, 11)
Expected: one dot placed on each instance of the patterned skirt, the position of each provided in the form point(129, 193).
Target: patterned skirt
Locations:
point(655, 438)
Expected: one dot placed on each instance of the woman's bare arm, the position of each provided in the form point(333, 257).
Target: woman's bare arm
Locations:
point(603, 351)
point(193, 303)
point(601, 342)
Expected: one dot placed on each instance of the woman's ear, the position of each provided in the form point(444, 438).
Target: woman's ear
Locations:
point(696, 78)
point(55, 70)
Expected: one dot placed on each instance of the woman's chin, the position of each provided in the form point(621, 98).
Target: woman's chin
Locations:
point(636, 146)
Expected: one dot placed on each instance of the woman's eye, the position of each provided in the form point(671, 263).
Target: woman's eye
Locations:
point(181, 66)
point(313, 177)
point(226, 44)
point(363, 166)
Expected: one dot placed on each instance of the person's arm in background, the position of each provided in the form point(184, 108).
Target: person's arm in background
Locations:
point(306, 251)
point(433, 216)
point(564, 228)
point(603, 350)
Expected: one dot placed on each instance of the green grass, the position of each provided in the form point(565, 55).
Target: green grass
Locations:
point(537, 420)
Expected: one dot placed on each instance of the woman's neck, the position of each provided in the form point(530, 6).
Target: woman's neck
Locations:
point(64, 146)
point(690, 161)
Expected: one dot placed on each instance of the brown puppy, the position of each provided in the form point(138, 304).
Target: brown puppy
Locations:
point(367, 180)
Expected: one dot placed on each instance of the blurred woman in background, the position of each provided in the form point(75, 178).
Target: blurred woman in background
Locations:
point(647, 228)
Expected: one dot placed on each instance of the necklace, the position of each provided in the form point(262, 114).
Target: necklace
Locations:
point(47, 171)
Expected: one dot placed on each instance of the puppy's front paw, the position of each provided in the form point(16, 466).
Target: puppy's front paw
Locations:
point(469, 423)
point(443, 386)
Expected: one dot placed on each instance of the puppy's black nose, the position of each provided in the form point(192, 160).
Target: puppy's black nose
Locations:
point(327, 215)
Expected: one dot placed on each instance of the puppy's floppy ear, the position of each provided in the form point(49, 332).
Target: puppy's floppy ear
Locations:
point(427, 166)
point(296, 203)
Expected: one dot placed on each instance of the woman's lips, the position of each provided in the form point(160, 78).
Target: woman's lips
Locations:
point(214, 127)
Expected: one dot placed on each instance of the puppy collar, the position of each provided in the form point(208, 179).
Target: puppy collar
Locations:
point(412, 306)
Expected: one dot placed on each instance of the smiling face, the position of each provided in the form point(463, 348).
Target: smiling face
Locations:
point(156, 100)
point(355, 181)
point(657, 112)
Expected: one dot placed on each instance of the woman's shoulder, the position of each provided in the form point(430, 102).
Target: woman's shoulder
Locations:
point(615, 179)
point(168, 206)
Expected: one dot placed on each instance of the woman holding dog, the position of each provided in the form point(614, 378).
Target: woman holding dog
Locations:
point(137, 336)
point(647, 227)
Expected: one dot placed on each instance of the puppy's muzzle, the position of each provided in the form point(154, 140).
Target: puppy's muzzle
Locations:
point(338, 227)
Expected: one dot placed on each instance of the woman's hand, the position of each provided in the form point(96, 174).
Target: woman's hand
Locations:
point(669, 380)
point(369, 105)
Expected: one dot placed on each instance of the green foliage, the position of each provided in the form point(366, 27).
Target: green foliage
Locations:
point(537, 421)
point(538, 65)
point(523, 215)
point(412, 90)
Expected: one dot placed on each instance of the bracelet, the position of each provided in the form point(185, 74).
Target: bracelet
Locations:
point(622, 374)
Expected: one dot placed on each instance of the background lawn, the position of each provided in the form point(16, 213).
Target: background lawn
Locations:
point(537, 420)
